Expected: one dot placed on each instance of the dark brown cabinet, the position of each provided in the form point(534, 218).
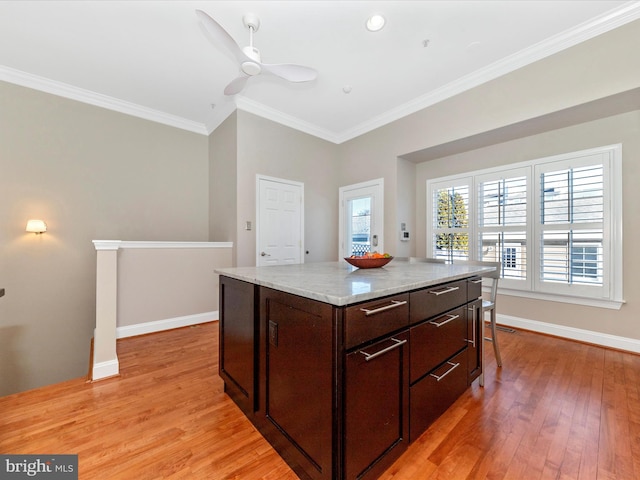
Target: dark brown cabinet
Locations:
point(340, 392)
point(296, 394)
point(435, 340)
point(435, 392)
point(446, 351)
point(237, 344)
point(376, 406)
point(475, 337)
point(475, 324)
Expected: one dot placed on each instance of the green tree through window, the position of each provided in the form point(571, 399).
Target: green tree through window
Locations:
point(452, 214)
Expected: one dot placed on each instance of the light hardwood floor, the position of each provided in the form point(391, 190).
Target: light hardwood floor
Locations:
point(556, 410)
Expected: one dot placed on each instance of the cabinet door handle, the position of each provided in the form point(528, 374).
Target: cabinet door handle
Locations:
point(444, 322)
point(444, 290)
point(453, 367)
point(371, 356)
point(393, 304)
point(473, 326)
point(477, 280)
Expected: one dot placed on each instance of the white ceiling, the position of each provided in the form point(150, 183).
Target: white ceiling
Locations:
point(153, 59)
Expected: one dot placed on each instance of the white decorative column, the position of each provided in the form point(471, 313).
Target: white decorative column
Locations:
point(105, 357)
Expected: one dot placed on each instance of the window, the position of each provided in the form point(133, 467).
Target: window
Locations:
point(554, 223)
point(451, 229)
point(585, 264)
point(509, 258)
point(502, 198)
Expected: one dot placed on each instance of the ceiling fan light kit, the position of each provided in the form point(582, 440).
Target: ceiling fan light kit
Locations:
point(249, 57)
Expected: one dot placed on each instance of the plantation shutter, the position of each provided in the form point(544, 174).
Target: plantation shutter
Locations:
point(502, 221)
point(572, 221)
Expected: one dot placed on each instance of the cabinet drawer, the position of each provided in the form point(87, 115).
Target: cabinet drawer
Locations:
point(430, 397)
point(433, 301)
point(374, 319)
point(376, 406)
point(474, 288)
point(434, 341)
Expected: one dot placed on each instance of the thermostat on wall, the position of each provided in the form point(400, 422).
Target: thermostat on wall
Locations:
point(404, 236)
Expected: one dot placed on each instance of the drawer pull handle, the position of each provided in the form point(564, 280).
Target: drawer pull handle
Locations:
point(393, 304)
point(371, 356)
point(444, 322)
point(453, 367)
point(472, 310)
point(477, 280)
point(442, 291)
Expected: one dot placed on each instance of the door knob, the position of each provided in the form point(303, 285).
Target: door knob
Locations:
point(263, 254)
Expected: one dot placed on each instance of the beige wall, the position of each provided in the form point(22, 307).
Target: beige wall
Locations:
point(90, 174)
point(156, 284)
point(223, 176)
point(530, 98)
point(604, 66)
point(268, 148)
point(623, 128)
point(96, 174)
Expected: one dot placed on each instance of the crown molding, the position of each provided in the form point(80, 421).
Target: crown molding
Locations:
point(65, 90)
point(626, 13)
point(257, 108)
point(615, 18)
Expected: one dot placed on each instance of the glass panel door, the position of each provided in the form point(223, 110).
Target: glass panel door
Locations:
point(361, 218)
point(359, 236)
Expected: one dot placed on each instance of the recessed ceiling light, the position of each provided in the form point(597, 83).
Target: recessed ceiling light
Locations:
point(375, 23)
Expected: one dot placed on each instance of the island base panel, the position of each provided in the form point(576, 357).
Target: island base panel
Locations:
point(296, 394)
point(237, 327)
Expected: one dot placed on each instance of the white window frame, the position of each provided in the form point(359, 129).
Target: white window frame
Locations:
point(460, 181)
point(610, 294)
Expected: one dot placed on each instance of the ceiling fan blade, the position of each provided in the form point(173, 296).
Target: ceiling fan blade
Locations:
point(236, 85)
point(221, 36)
point(291, 72)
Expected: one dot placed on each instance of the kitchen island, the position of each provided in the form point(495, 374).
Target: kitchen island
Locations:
point(341, 368)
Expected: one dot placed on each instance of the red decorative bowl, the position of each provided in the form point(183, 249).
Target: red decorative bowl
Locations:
point(368, 262)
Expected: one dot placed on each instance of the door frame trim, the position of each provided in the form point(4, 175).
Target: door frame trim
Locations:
point(259, 178)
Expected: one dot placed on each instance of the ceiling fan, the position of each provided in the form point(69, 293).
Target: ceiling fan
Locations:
point(249, 57)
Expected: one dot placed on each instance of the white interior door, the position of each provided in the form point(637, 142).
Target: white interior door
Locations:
point(361, 218)
point(280, 221)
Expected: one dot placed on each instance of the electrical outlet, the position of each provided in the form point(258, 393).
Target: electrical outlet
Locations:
point(247, 225)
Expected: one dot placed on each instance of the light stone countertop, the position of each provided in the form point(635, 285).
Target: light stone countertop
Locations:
point(340, 284)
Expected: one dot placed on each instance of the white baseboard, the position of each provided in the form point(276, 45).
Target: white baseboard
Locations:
point(110, 368)
point(166, 324)
point(581, 335)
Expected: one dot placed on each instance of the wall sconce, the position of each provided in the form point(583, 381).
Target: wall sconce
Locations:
point(36, 226)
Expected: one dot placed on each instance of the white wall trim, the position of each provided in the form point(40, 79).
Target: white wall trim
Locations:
point(72, 92)
point(166, 324)
point(101, 370)
point(106, 244)
point(626, 13)
point(176, 244)
point(117, 244)
point(615, 18)
point(261, 110)
point(581, 335)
